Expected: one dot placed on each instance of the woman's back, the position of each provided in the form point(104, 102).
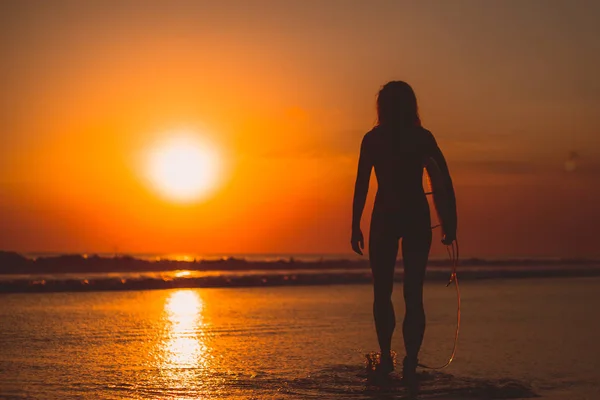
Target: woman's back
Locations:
point(398, 155)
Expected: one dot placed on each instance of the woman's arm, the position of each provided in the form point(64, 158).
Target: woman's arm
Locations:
point(361, 188)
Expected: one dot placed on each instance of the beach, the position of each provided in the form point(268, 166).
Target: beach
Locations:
point(198, 198)
point(519, 338)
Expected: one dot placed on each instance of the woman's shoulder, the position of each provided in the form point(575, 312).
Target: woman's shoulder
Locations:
point(371, 136)
point(378, 133)
point(424, 131)
point(376, 130)
point(426, 135)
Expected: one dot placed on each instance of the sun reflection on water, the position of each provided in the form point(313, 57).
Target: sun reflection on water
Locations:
point(180, 274)
point(184, 350)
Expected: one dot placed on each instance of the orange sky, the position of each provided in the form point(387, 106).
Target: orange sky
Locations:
point(287, 90)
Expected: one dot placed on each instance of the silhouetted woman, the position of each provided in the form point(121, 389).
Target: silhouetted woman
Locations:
point(398, 147)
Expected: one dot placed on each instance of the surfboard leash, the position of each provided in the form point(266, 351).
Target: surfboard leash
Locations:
point(453, 254)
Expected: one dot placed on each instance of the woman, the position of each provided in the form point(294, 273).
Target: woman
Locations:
point(398, 147)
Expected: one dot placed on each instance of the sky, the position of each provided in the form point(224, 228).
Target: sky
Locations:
point(286, 90)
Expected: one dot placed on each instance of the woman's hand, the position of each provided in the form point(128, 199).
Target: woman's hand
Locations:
point(357, 241)
point(448, 239)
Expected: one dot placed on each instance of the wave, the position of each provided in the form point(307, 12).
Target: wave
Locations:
point(66, 273)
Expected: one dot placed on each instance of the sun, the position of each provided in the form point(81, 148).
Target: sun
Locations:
point(183, 167)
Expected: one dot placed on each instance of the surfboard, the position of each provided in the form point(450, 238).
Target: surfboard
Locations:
point(441, 197)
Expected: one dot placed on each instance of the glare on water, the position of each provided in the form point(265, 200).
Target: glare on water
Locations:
point(184, 353)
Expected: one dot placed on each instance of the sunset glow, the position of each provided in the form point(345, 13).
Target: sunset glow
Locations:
point(221, 128)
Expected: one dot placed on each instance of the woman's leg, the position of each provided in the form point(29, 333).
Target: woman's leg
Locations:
point(415, 252)
point(383, 250)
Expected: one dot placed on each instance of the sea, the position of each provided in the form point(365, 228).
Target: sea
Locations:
point(521, 336)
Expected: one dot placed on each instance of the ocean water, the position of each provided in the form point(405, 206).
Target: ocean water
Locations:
point(519, 339)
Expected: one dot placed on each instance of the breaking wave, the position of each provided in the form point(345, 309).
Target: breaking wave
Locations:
point(93, 273)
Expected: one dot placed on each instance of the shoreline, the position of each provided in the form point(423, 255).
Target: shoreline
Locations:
point(13, 263)
point(257, 279)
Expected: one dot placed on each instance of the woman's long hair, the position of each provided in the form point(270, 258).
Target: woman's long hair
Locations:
point(397, 105)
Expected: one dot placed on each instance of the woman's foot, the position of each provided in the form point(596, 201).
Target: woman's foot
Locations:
point(386, 364)
point(409, 370)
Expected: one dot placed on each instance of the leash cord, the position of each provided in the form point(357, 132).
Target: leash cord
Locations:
point(453, 254)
